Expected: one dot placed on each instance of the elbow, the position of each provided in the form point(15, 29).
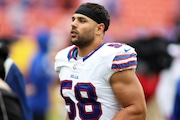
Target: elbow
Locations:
point(141, 113)
point(132, 113)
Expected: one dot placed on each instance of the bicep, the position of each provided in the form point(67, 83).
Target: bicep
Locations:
point(127, 88)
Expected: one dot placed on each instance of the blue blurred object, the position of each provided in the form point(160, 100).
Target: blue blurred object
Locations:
point(176, 111)
point(40, 77)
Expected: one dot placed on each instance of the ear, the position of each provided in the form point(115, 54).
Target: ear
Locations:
point(100, 28)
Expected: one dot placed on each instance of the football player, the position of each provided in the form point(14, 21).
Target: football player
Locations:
point(97, 79)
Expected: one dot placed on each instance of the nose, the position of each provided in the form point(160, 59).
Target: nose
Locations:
point(74, 23)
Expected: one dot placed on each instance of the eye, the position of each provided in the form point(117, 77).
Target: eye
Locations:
point(73, 18)
point(82, 20)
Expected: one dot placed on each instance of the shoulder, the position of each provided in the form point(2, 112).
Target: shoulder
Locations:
point(123, 56)
point(61, 57)
point(118, 48)
point(62, 54)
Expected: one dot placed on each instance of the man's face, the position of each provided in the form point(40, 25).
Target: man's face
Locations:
point(83, 30)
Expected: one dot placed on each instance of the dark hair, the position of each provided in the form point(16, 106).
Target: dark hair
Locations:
point(3, 55)
point(2, 69)
point(96, 12)
point(4, 51)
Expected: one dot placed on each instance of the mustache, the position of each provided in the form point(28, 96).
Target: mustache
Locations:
point(74, 31)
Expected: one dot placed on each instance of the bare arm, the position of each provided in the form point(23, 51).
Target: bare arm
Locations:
point(67, 118)
point(130, 95)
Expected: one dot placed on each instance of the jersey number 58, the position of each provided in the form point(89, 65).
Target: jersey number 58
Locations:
point(85, 102)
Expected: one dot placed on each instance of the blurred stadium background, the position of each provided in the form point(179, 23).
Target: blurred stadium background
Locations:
point(21, 20)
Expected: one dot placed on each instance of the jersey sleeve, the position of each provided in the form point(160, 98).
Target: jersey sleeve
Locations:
point(125, 58)
point(61, 58)
point(58, 61)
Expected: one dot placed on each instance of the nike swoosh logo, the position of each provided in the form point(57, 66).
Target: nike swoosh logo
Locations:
point(126, 50)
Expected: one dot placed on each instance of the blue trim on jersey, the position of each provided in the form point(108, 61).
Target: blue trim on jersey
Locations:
point(74, 51)
point(122, 57)
point(93, 52)
point(124, 65)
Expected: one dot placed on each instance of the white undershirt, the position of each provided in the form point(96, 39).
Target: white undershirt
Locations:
point(79, 57)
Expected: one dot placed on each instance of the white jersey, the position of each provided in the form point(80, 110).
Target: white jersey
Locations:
point(85, 84)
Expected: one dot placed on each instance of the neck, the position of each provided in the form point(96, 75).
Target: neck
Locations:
point(85, 51)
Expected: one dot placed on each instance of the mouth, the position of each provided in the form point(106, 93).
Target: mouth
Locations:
point(74, 33)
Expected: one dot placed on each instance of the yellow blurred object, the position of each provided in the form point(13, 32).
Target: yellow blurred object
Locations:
point(57, 109)
point(22, 52)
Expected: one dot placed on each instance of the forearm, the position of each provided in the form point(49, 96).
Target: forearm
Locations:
point(131, 113)
point(67, 118)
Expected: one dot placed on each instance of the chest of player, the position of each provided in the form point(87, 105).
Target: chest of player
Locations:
point(87, 70)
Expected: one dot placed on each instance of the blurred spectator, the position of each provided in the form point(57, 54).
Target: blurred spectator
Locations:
point(176, 106)
point(10, 103)
point(153, 55)
point(152, 58)
point(14, 78)
point(40, 78)
point(168, 84)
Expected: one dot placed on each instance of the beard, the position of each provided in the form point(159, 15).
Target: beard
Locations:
point(83, 40)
